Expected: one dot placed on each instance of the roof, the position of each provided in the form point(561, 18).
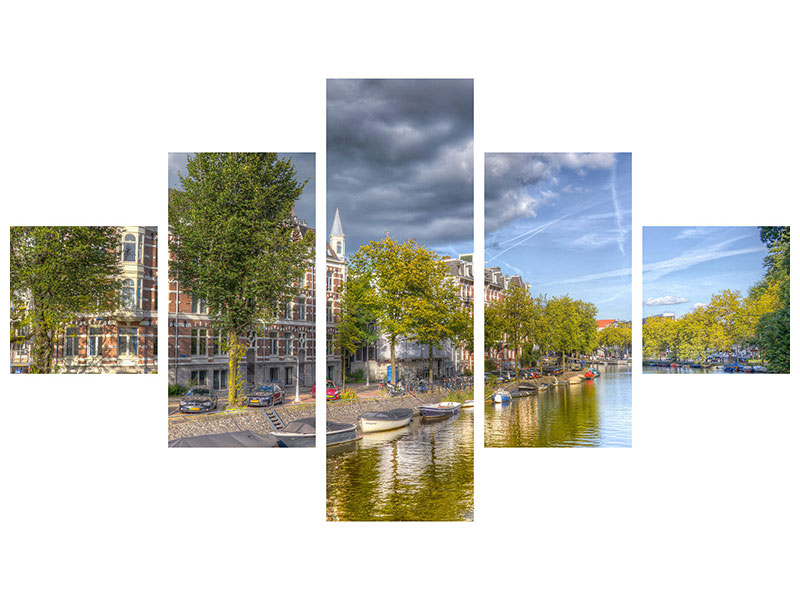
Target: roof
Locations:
point(605, 322)
point(337, 225)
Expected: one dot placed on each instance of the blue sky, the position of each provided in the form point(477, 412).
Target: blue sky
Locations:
point(304, 164)
point(563, 222)
point(684, 266)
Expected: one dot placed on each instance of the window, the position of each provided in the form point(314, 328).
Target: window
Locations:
point(128, 340)
point(301, 309)
point(95, 341)
point(199, 305)
point(128, 294)
point(220, 380)
point(216, 345)
point(329, 281)
point(141, 245)
point(329, 343)
point(274, 374)
point(288, 375)
point(272, 347)
point(199, 378)
point(129, 248)
point(138, 293)
point(71, 342)
point(199, 341)
point(330, 311)
point(287, 311)
point(339, 248)
point(289, 344)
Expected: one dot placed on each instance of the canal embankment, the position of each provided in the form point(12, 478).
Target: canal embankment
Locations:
point(348, 411)
point(230, 421)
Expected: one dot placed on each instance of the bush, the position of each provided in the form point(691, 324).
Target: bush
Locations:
point(356, 376)
point(177, 390)
point(467, 372)
point(348, 394)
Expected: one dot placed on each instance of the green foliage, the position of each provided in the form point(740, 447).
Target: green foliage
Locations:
point(408, 294)
point(177, 390)
point(235, 242)
point(357, 316)
point(489, 365)
point(57, 274)
point(348, 394)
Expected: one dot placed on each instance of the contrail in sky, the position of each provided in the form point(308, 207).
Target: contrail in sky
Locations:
point(617, 210)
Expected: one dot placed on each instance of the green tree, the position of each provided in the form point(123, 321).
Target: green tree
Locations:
point(511, 320)
point(357, 316)
point(772, 329)
point(235, 242)
point(400, 275)
point(659, 336)
point(57, 274)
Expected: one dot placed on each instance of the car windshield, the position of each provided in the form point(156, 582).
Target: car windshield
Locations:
point(198, 392)
point(265, 388)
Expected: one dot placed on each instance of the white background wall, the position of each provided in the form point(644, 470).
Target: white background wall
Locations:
point(705, 96)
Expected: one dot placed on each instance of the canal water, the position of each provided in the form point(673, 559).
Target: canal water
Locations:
point(650, 369)
point(422, 472)
point(592, 413)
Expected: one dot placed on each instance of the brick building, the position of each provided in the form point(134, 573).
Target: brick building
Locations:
point(125, 341)
point(280, 352)
point(495, 286)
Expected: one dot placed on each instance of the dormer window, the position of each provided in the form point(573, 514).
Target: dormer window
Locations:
point(339, 248)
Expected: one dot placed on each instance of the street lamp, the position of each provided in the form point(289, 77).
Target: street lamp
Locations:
point(301, 341)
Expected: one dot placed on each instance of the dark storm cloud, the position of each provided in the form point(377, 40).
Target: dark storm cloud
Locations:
point(400, 159)
point(305, 167)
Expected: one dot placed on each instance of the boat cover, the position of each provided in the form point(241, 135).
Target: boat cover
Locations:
point(333, 426)
point(389, 415)
point(304, 425)
point(234, 439)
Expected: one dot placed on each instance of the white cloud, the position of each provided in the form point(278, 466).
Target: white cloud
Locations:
point(699, 304)
point(665, 300)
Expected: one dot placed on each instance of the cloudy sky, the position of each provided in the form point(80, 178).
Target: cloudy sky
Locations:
point(400, 160)
point(563, 222)
point(684, 266)
point(304, 166)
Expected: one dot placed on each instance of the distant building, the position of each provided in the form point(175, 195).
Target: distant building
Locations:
point(124, 341)
point(496, 284)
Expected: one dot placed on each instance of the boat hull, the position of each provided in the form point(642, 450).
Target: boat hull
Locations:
point(439, 411)
point(374, 422)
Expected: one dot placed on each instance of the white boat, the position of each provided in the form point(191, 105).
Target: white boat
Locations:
point(385, 420)
point(501, 396)
point(468, 404)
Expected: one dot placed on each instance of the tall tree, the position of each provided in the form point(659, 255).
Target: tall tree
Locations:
point(357, 316)
point(235, 242)
point(58, 273)
point(513, 316)
point(773, 327)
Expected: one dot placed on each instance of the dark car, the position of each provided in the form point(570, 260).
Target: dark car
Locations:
point(268, 394)
point(199, 398)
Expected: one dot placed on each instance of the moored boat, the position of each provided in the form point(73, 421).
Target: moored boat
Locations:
point(501, 396)
point(371, 422)
point(301, 433)
point(439, 410)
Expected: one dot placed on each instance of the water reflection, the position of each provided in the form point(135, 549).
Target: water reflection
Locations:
point(592, 413)
point(421, 472)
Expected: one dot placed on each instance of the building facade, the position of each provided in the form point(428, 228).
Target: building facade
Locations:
point(281, 352)
point(125, 341)
point(496, 285)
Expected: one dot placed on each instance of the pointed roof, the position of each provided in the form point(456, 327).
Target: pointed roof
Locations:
point(337, 225)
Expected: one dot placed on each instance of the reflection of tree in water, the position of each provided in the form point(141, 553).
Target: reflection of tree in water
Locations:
point(429, 477)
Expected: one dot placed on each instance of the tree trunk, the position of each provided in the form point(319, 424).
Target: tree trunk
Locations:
point(42, 342)
point(344, 370)
point(516, 362)
point(234, 378)
point(430, 363)
point(391, 350)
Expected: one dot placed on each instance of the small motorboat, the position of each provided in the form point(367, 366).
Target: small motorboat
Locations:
point(501, 396)
point(589, 375)
point(371, 422)
point(439, 410)
point(301, 433)
point(468, 404)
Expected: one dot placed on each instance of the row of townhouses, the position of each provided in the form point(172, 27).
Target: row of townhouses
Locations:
point(125, 341)
point(496, 285)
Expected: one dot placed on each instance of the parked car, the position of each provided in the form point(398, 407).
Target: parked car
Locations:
point(331, 391)
point(199, 398)
point(268, 394)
